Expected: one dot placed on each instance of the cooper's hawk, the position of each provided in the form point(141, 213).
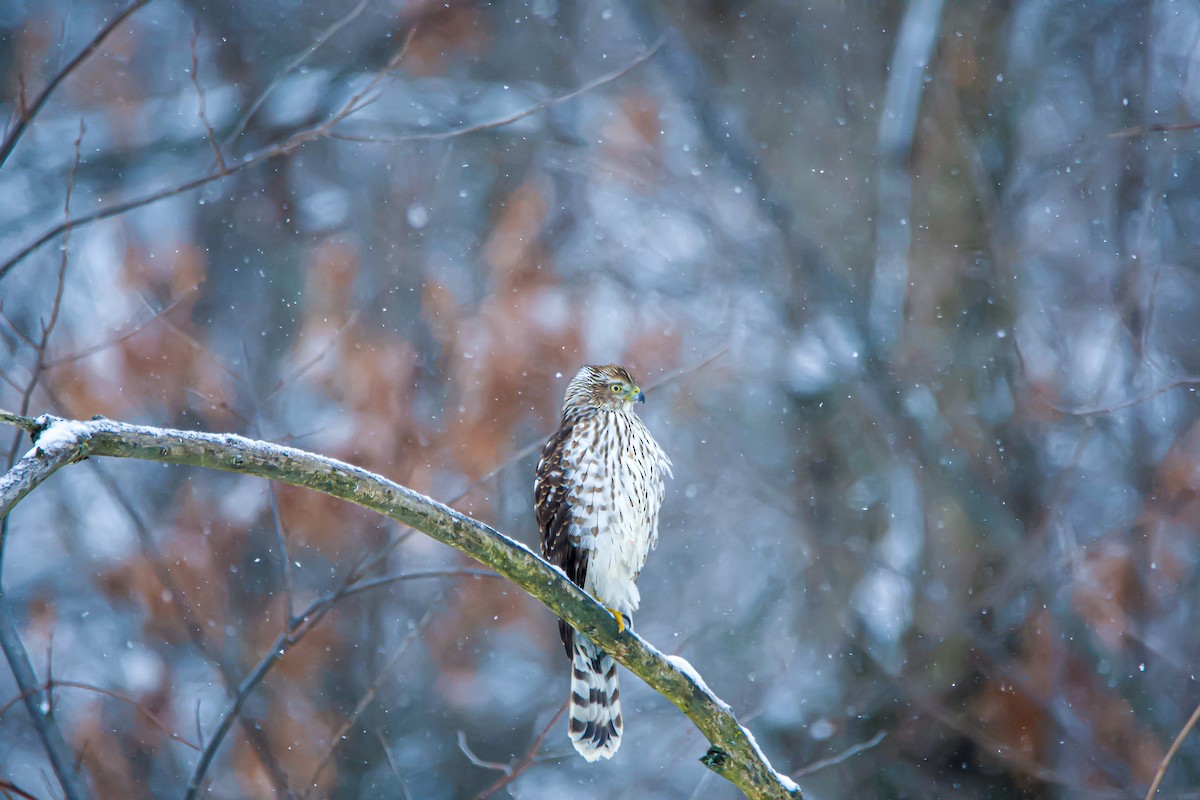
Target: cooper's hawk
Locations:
point(598, 489)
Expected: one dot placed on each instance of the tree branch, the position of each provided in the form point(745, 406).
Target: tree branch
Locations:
point(296, 140)
point(283, 147)
point(25, 114)
point(733, 754)
point(23, 478)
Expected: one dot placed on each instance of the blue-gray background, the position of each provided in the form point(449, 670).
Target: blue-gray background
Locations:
point(942, 481)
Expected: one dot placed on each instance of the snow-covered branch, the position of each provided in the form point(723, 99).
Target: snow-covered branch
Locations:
point(733, 753)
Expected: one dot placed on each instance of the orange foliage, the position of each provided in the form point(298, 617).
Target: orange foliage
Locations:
point(447, 33)
point(1104, 590)
point(329, 281)
point(504, 358)
point(1015, 710)
point(632, 139)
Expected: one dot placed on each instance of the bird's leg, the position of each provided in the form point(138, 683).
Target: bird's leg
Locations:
point(621, 626)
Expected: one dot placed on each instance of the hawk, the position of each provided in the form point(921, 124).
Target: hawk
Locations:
point(599, 485)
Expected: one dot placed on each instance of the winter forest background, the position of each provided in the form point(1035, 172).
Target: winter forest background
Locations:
point(913, 288)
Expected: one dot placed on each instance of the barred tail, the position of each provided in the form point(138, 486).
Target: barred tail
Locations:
point(594, 718)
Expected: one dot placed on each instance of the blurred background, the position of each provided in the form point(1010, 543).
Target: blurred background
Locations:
point(913, 288)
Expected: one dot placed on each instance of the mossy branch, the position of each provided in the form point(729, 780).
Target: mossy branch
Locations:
point(733, 753)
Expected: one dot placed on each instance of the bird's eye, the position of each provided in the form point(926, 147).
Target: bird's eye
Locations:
point(616, 387)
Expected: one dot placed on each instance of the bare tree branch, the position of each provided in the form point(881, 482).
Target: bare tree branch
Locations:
point(25, 114)
point(1162, 127)
point(1089, 411)
point(312, 362)
point(280, 148)
point(300, 627)
point(18, 482)
point(9, 788)
point(733, 753)
point(437, 136)
point(296, 62)
point(139, 707)
point(466, 750)
point(48, 327)
point(192, 626)
point(1175, 745)
point(296, 140)
point(846, 754)
point(514, 771)
point(124, 335)
point(202, 106)
point(372, 690)
point(392, 765)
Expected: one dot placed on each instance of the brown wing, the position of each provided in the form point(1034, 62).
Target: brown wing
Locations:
point(553, 510)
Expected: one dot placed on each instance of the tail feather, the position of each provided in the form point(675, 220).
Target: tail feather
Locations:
point(594, 719)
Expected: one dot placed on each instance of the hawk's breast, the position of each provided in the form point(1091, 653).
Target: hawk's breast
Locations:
point(617, 474)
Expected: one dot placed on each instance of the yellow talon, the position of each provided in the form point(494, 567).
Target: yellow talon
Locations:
point(619, 616)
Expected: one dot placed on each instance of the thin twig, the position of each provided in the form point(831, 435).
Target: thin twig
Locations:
point(304, 623)
point(281, 148)
point(286, 146)
point(199, 727)
point(295, 62)
point(685, 371)
point(285, 561)
point(369, 561)
point(387, 753)
point(191, 342)
point(845, 755)
point(9, 787)
point(16, 330)
point(463, 130)
point(312, 362)
point(372, 690)
point(57, 750)
point(1093, 410)
point(139, 707)
point(1175, 745)
point(192, 625)
point(476, 760)
point(26, 115)
point(283, 642)
point(1162, 127)
point(56, 307)
point(39, 364)
point(528, 760)
point(124, 335)
point(201, 105)
point(367, 584)
point(50, 676)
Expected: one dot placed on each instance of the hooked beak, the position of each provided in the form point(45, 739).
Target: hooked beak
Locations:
point(638, 395)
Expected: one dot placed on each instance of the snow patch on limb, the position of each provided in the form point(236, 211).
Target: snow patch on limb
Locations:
point(683, 665)
point(790, 785)
point(58, 432)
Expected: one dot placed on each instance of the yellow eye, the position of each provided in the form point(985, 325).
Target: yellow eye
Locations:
point(616, 387)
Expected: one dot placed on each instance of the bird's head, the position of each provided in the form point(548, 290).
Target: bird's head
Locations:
point(607, 387)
